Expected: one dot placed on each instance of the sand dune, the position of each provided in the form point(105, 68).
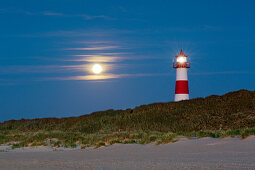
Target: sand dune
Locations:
point(205, 153)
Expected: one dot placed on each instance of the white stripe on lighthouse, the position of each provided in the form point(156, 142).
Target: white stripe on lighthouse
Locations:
point(181, 74)
point(180, 97)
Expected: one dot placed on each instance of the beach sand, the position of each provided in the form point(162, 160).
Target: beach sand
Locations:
point(204, 153)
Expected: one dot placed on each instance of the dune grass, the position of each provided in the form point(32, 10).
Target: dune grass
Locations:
point(232, 114)
point(73, 140)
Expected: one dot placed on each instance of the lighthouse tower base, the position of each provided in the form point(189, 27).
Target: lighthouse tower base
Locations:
point(180, 97)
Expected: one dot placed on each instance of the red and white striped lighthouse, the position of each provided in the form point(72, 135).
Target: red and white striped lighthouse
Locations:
point(181, 88)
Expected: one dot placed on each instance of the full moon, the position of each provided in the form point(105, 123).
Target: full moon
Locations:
point(97, 68)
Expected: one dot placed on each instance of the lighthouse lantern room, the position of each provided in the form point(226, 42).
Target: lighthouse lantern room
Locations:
point(181, 88)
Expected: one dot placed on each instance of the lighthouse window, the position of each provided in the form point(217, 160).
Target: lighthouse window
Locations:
point(181, 59)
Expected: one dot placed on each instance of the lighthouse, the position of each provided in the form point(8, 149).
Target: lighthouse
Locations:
point(181, 87)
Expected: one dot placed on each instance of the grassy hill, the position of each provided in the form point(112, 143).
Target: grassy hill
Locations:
point(216, 116)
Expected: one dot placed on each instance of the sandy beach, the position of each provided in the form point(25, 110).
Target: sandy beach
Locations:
point(205, 153)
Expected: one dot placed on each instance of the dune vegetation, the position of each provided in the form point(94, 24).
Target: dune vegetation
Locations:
point(232, 114)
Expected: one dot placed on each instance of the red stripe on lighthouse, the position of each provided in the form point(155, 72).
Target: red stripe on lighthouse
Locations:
point(181, 87)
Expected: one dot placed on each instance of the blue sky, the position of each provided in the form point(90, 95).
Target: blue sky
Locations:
point(47, 49)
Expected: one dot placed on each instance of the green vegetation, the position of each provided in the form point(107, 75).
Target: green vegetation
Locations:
point(232, 114)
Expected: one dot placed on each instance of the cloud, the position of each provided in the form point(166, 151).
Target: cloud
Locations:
point(223, 72)
point(60, 33)
point(7, 84)
point(90, 17)
point(110, 76)
point(19, 69)
point(23, 69)
point(195, 28)
point(96, 48)
point(108, 58)
point(90, 77)
point(94, 33)
point(50, 13)
point(5, 11)
point(96, 58)
point(106, 76)
point(92, 42)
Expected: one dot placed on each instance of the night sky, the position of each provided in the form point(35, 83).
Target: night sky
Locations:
point(47, 49)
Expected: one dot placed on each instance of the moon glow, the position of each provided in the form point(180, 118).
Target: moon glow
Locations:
point(97, 68)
